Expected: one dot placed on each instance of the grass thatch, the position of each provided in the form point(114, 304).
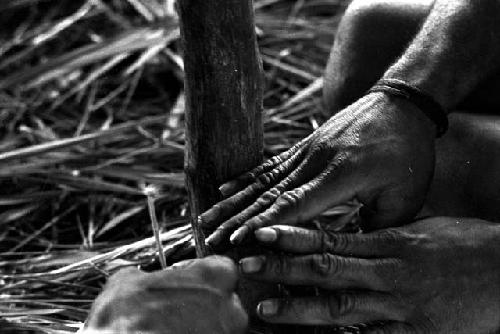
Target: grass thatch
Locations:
point(91, 114)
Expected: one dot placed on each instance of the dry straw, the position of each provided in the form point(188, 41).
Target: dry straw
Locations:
point(90, 111)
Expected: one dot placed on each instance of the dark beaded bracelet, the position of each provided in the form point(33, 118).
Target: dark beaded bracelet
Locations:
point(430, 107)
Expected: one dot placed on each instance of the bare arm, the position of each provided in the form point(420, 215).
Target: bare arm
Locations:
point(457, 47)
point(379, 150)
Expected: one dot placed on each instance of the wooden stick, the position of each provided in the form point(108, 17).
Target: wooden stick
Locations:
point(223, 98)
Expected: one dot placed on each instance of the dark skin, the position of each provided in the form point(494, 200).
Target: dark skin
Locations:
point(437, 275)
point(371, 37)
point(404, 280)
point(193, 297)
point(380, 149)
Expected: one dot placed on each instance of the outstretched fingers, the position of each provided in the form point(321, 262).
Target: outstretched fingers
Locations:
point(300, 204)
point(225, 209)
point(340, 309)
point(232, 187)
point(306, 241)
point(324, 270)
point(298, 176)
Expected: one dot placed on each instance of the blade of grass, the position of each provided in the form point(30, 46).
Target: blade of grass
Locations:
point(65, 143)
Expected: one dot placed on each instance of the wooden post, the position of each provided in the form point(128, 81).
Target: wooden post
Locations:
point(223, 87)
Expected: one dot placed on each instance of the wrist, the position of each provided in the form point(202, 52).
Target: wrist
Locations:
point(424, 78)
point(423, 101)
point(403, 117)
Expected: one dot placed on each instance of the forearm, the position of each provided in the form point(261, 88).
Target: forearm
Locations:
point(457, 47)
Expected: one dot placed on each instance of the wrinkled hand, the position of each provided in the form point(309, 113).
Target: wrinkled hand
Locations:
point(439, 275)
point(379, 151)
point(197, 297)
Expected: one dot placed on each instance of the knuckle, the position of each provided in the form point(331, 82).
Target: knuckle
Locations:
point(215, 268)
point(301, 237)
point(391, 237)
point(268, 197)
point(334, 242)
point(282, 168)
point(270, 177)
point(290, 198)
point(340, 306)
point(290, 235)
point(291, 308)
point(222, 264)
point(286, 200)
point(238, 184)
point(277, 159)
point(280, 187)
point(246, 176)
point(295, 147)
point(278, 266)
point(325, 265)
point(264, 179)
point(291, 153)
point(341, 160)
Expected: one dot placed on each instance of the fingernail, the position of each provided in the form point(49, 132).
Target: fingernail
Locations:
point(266, 234)
point(227, 188)
point(234, 238)
point(210, 241)
point(238, 235)
point(251, 265)
point(207, 217)
point(268, 308)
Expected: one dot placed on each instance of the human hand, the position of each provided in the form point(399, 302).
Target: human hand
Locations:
point(439, 275)
point(196, 297)
point(379, 150)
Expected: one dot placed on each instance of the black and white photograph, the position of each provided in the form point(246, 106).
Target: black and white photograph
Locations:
point(249, 166)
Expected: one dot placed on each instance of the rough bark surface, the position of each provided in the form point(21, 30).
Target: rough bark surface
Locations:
point(223, 106)
point(223, 95)
point(223, 114)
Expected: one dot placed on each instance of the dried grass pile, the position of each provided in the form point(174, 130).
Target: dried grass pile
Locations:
point(91, 120)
